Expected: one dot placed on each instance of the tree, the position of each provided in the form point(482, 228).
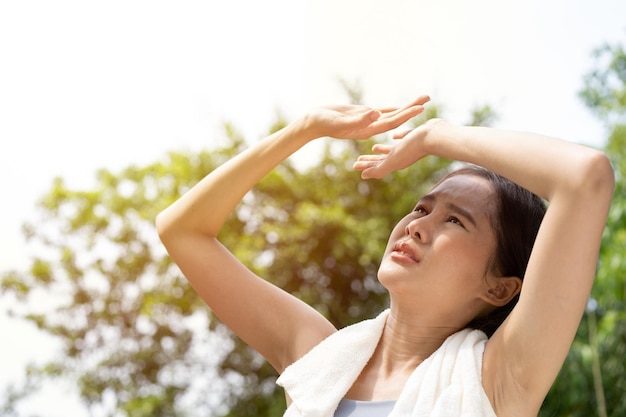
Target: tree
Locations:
point(136, 339)
point(596, 361)
point(131, 327)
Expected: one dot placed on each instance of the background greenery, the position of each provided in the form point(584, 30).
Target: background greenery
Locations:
point(136, 339)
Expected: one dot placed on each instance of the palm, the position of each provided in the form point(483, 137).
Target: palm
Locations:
point(346, 121)
point(404, 152)
point(362, 122)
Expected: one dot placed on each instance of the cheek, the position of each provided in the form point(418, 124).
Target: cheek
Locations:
point(465, 258)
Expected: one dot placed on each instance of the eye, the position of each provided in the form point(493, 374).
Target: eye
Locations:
point(420, 210)
point(455, 220)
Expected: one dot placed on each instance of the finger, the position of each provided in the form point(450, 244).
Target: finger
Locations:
point(368, 158)
point(400, 135)
point(362, 165)
point(389, 118)
point(381, 149)
point(385, 110)
point(420, 101)
point(416, 106)
point(389, 112)
point(395, 119)
point(373, 115)
point(374, 171)
point(366, 118)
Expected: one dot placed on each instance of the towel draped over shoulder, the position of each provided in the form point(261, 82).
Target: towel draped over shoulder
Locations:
point(448, 383)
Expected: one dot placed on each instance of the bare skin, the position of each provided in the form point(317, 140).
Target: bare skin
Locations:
point(422, 270)
point(525, 354)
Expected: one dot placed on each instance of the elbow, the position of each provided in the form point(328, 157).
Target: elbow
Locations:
point(596, 176)
point(172, 225)
point(163, 226)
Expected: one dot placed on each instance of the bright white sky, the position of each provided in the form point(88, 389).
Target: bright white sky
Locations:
point(88, 85)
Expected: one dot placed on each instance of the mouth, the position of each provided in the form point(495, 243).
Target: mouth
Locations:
point(403, 251)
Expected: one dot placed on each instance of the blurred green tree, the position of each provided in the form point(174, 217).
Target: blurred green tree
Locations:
point(132, 331)
point(136, 340)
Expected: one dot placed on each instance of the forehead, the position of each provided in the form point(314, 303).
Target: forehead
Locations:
point(468, 191)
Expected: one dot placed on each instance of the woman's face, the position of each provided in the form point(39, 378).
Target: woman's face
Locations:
point(440, 253)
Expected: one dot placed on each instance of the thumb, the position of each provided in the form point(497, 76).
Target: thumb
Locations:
point(372, 115)
point(376, 171)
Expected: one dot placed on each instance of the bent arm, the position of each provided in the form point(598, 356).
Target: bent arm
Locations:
point(549, 167)
point(578, 182)
point(270, 320)
point(251, 307)
point(541, 164)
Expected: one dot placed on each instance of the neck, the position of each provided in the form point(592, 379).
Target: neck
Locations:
point(408, 340)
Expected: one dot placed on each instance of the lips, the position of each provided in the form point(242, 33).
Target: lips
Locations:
point(406, 251)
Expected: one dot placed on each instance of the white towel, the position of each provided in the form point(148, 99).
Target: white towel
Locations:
point(448, 383)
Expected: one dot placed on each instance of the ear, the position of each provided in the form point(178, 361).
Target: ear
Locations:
point(501, 290)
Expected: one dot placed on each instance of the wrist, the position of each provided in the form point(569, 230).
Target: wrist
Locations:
point(305, 129)
point(449, 140)
point(434, 130)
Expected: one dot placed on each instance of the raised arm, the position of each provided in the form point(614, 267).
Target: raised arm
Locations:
point(526, 353)
point(273, 322)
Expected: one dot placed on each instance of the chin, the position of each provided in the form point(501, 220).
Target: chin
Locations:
point(391, 275)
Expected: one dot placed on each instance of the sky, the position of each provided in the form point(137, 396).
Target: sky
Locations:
point(90, 85)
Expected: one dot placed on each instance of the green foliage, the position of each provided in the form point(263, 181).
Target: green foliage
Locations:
point(134, 331)
point(586, 388)
point(605, 84)
point(483, 116)
point(127, 320)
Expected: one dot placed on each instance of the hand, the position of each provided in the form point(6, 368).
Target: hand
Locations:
point(407, 150)
point(360, 122)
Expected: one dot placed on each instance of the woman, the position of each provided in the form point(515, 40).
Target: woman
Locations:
point(440, 268)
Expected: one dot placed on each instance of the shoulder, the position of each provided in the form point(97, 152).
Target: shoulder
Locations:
point(357, 338)
point(339, 358)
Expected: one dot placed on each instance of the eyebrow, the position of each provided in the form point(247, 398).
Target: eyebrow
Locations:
point(431, 198)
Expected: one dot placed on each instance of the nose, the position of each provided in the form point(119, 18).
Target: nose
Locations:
point(417, 229)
